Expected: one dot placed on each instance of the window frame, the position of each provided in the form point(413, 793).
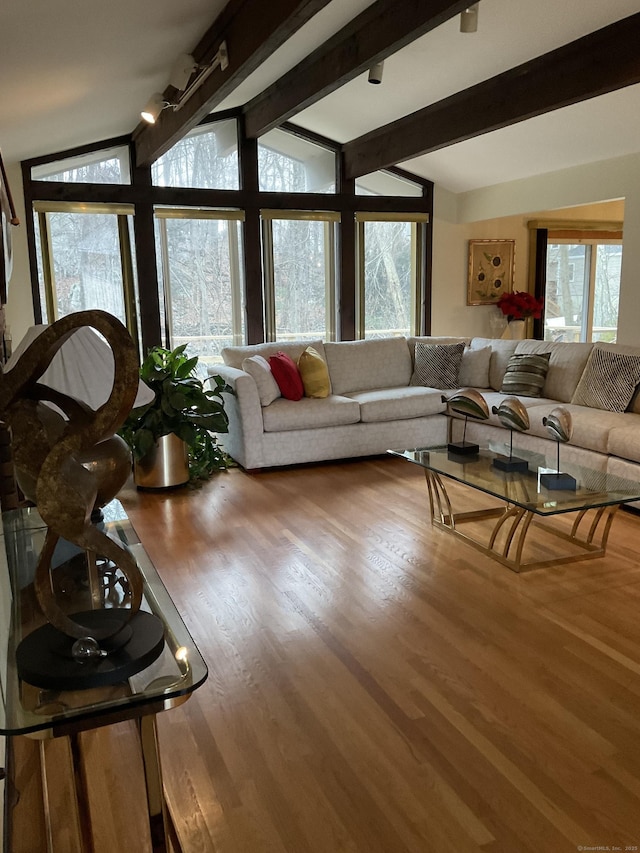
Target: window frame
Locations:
point(122, 212)
point(419, 223)
point(589, 276)
point(331, 219)
point(144, 196)
point(162, 214)
point(544, 231)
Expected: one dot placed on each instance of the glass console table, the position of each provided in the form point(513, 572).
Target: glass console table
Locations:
point(45, 714)
point(524, 502)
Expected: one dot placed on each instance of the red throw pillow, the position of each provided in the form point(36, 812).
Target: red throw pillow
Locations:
point(285, 372)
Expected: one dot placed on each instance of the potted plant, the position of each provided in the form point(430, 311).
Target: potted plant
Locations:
point(171, 437)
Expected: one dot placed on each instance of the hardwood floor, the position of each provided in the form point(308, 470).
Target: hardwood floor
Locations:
point(376, 686)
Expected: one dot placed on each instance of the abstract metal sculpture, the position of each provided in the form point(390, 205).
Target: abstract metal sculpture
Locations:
point(470, 404)
point(559, 426)
point(55, 456)
point(513, 415)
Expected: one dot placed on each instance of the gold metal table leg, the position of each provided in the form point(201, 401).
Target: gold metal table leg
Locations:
point(64, 794)
point(160, 821)
point(506, 540)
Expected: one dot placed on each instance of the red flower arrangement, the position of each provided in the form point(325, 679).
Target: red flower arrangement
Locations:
point(520, 304)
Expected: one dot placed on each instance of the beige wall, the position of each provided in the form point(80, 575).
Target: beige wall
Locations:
point(605, 190)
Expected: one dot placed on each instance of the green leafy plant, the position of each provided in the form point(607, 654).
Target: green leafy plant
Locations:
point(181, 406)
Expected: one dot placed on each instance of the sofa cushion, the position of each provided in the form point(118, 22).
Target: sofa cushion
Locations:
point(234, 356)
point(609, 379)
point(501, 352)
point(287, 375)
point(566, 365)
point(624, 441)
point(591, 427)
point(437, 365)
point(310, 413)
point(258, 368)
point(525, 374)
point(391, 404)
point(365, 365)
point(474, 369)
point(315, 374)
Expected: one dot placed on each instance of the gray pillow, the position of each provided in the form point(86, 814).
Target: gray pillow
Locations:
point(525, 374)
point(437, 366)
point(474, 370)
point(258, 367)
point(609, 380)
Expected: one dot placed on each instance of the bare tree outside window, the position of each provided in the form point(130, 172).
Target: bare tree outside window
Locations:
point(582, 290)
point(388, 280)
point(206, 158)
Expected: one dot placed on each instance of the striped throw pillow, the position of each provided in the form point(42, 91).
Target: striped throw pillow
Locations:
point(609, 380)
point(525, 374)
point(437, 366)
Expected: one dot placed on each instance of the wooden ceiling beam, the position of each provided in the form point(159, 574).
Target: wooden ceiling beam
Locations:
point(594, 65)
point(379, 31)
point(253, 30)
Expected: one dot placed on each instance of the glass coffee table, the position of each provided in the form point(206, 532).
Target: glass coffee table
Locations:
point(523, 503)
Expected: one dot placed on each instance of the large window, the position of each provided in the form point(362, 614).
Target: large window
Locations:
point(206, 158)
point(582, 290)
point(299, 279)
point(85, 260)
point(106, 166)
point(288, 163)
point(220, 262)
point(201, 277)
point(390, 274)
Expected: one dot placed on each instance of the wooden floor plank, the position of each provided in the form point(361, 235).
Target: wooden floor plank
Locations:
point(376, 685)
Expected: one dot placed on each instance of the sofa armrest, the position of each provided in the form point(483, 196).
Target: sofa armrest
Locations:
point(244, 440)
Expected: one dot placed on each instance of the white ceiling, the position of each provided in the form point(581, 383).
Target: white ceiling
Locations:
point(74, 74)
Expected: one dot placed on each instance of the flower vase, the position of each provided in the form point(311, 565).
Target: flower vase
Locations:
point(515, 330)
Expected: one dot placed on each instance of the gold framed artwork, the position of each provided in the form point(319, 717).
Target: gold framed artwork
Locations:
point(491, 270)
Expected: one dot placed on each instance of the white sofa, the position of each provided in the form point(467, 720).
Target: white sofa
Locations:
point(372, 407)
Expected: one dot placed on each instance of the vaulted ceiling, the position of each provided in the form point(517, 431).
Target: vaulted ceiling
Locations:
point(73, 75)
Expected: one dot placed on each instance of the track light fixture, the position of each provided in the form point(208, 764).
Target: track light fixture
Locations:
point(181, 73)
point(469, 19)
point(154, 107)
point(375, 72)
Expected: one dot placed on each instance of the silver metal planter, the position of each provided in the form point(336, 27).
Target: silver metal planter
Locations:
point(165, 466)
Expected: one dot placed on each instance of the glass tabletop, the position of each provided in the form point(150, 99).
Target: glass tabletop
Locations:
point(25, 708)
point(525, 489)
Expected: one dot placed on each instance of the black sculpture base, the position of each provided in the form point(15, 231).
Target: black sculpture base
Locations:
point(558, 482)
point(463, 448)
point(44, 657)
point(511, 464)
point(462, 458)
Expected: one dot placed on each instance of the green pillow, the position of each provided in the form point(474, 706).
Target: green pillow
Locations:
point(525, 374)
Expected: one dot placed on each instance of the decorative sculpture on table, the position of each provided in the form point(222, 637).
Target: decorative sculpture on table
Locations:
point(53, 455)
point(560, 427)
point(513, 416)
point(470, 404)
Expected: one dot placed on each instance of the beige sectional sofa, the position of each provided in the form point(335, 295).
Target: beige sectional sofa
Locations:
point(372, 406)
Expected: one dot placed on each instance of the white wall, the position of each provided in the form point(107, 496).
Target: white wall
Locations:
point(19, 302)
point(502, 211)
